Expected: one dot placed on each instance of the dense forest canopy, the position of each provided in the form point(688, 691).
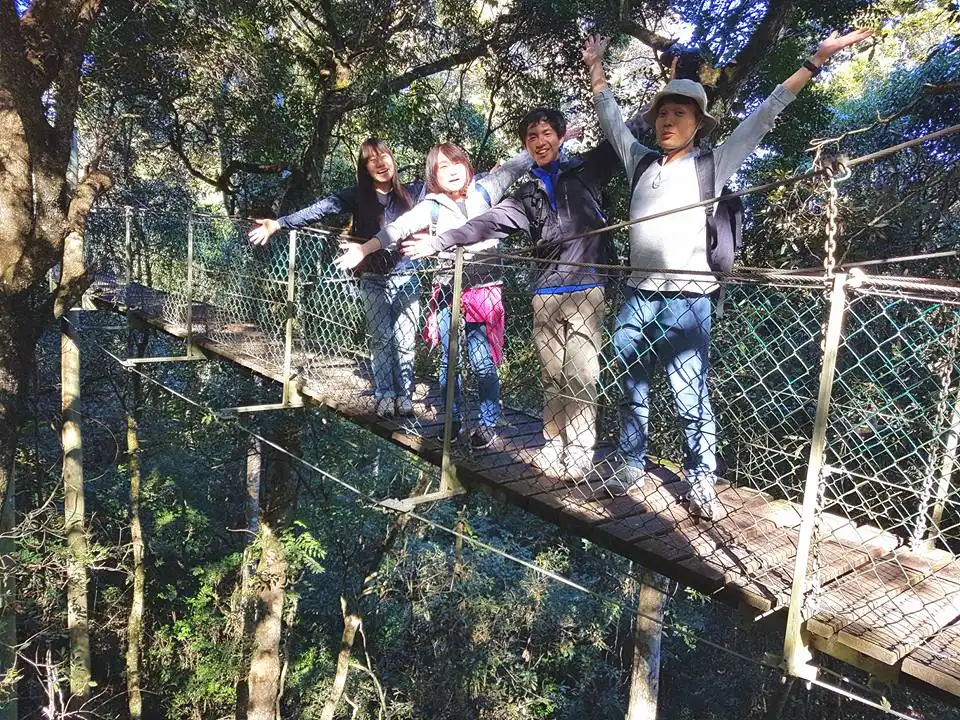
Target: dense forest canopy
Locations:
point(255, 108)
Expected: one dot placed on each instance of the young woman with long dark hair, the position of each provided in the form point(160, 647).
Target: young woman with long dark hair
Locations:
point(388, 283)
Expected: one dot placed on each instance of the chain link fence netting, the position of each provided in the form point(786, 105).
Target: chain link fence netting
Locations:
point(559, 404)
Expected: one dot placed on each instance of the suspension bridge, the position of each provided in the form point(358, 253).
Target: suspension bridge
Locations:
point(837, 398)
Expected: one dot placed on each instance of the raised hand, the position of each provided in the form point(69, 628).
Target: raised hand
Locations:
point(835, 43)
point(260, 235)
point(593, 49)
point(419, 245)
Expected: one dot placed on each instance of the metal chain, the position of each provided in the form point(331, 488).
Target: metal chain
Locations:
point(944, 368)
point(830, 244)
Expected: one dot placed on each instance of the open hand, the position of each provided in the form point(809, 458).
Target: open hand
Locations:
point(351, 256)
point(593, 49)
point(835, 43)
point(260, 235)
point(419, 245)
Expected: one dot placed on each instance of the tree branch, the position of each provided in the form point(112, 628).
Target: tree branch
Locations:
point(395, 84)
point(647, 37)
point(764, 37)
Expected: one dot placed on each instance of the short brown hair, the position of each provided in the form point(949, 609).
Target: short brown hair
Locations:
point(456, 154)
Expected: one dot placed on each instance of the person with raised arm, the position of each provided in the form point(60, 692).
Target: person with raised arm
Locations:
point(388, 283)
point(667, 318)
point(560, 199)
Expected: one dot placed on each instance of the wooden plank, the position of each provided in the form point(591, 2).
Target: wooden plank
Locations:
point(889, 628)
point(937, 661)
point(886, 608)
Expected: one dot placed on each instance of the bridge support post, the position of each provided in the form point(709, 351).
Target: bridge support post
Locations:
point(448, 471)
point(190, 350)
point(127, 251)
point(288, 390)
point(796, 651)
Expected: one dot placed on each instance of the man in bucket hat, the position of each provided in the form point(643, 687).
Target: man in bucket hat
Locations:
point(667, 317)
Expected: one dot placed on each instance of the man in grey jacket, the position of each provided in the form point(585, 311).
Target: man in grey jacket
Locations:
point(667, 317)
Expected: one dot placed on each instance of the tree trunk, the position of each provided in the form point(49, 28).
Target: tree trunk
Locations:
point(246, 604)
point(301, 189)
point(645, 676)
point(19, 327)
point(351, 623)
point(265, 663)
point(135, 619)
point(277, 504)
point(73, 510)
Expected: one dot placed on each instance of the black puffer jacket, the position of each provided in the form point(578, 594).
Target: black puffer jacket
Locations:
point(577, 192)
point(344, 202)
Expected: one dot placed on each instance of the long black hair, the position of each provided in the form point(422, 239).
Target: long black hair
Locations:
point(369, 216)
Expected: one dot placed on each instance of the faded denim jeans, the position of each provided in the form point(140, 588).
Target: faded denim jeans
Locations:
point(480, 358)
point(673, 330)
point(392, 306)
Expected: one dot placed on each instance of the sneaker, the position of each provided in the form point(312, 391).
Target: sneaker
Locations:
point(386, 407)
point(630, 477)
point(578, 462)
point(703, 500)
point(483, 437)
point(455, 427)
point(549, 459)
point(404, 406)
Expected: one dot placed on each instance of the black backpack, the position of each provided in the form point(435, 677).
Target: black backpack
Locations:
point(724, 225)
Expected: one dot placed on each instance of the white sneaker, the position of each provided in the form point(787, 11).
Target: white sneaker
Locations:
point(703, 499)
point(631, 477)
point(578, 462)
point(549, 459)
point(404, 406)
point(386, 407)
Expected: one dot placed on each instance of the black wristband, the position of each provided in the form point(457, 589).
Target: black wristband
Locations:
point(814, 69)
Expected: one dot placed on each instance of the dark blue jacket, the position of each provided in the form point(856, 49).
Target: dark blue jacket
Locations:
point(528, 209)
point(344, 202)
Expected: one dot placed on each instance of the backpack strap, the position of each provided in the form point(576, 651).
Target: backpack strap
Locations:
point(642, 165)
point(707, 180)
point(434, 216)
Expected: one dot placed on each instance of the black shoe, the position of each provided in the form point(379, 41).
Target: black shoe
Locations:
point(455, 428)
point(483, 437)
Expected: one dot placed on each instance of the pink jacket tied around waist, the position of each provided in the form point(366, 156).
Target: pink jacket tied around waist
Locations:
point(482, 304)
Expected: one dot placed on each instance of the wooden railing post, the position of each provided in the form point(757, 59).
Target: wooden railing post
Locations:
point(189, 290)
point(448, 471)
point(291, 313)
point(796, 654)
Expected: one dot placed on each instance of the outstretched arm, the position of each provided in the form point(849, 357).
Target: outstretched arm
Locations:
point(627, 147)
point(748, 134)
point(827, 49)
point(496, 182)
point(503, 219)
point(343, 202)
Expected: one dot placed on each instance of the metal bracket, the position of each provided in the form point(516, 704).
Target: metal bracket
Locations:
point(406, 505)
point(231, 412)
point(131, 362)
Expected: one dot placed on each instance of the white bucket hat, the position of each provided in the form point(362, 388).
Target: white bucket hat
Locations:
point(689, 89)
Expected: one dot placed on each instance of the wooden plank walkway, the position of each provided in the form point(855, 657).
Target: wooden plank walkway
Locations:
point(879, 606)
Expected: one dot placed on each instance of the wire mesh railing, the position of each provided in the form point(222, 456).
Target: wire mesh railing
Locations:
point(617, 402)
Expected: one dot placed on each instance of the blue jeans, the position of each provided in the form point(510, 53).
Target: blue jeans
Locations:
point(675, 331)
point(479, 357)
point(392, 306)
